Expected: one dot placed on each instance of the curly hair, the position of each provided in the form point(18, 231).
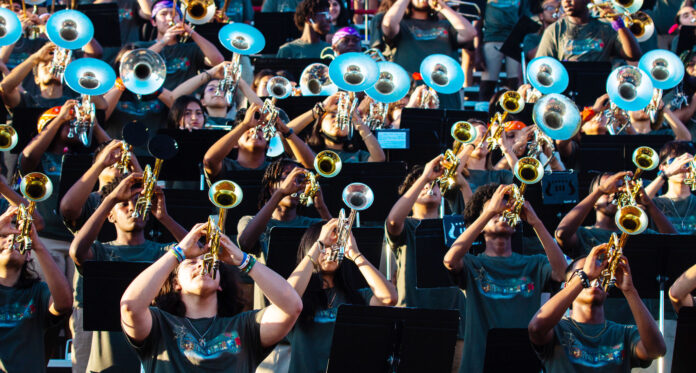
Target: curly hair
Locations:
point(474, 207)
point(307, 9)
point(229, 298)
point(273, 174)
point(110, 186)
point(411, 177)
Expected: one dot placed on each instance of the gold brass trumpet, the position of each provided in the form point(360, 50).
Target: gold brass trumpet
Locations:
point(161, 147)
point(690, 178)
point(607, 278)
point(8, 137)
point(463, 133)
point(35, 187)
point(528, 170)
point(224, 194)
point(512, 103)
point(327, 164)
point(630, 218)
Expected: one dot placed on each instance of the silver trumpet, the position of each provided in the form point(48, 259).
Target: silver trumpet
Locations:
point(358, 197)
point(67, 29)
point(278, 88)
point(242, 40)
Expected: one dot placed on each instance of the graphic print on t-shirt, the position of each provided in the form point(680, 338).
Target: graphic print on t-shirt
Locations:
point(326, 316)
point(506, 288)
point(504, 3)
point(176, 64)
point(12, 314)
point(427, 34)
point(594, 357)
point(583, 46)
point(198, 349)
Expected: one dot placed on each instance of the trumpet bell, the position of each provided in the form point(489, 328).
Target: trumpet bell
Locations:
point(275, 146)
point(547, 75)
point(629, 6)
point(225, 194)
point(664, 68)
point(631, 220)
point(69, 29)
point(327, 163)
point(645, 158)
point(279, 87)
point(358, 196)
point(241, 38)
point(353, 72)
point(8, 138)
point(557, 116)
point(10, 27)
point(512, 102)
point(315, 81)
point(529, 170)
point(442, 73)
point(198, 12)
point(463, 132)
point(641, 26)
point(143, 71)
point(392, 84)
point(629, 88)
point(34, 2)
point(36, 187)
point(90, 76)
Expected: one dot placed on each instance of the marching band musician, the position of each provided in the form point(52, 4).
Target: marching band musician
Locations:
point(586, 341)
point(499, 280)
point(313, 19)
point(109, 350)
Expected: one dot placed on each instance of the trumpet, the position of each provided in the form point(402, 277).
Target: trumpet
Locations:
point(528, 170)
point(134, 134)
point(8, 137)
point(278, 87)
point(228, 83)
point(67, 29)
point(242, 40)
point(345, 108)
point(377, 115)
point(197, 12)
point(358, 197)
point(10, 27)
point(463, 133)
point(429, 98)
point(630, 218)
point(326, 164)
point(161, 147)
point(315, 81)
point(35, 187)
point(224, 194)
point(690, 178)
point(143, 71)
point(607, 278)
point(512, 103)
point(83, 124)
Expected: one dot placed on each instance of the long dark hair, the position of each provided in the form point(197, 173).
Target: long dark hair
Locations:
point(316, 138)
point(314, 298)
point(229, 299)
point(179, 108)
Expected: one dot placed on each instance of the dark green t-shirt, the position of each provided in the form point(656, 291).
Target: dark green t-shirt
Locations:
point(280, 5)
point(24, 317)
point(482, 177)
point(530, 42)
point(500, 18)
point(91, 204)
point(567, 41)
point(591, 348)
point(418, 39)
point(681, 213)
point(299, 49)
point(220, 344)
point(501, 292)
point(353, 157)
point(310, 341)
point(110, 351)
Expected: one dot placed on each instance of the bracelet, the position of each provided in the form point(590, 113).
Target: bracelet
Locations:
point(208, 74)
point(119, 84)
point(664, 176)
point(618, 24)
point(583, 277)
point(318, 110)
point(289, 133)
point(356, 257)
point(366, 137)
point(178, 253)
point(245, 261)
point(249, 265)
point(312, 260)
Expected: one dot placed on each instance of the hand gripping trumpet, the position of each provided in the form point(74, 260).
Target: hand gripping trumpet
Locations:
point(134, 134)
point(512, 103)
point(327, 164)
point(607, 278)
point(242, 40)
point(528, 170)
point(358, 197)
point(278, 88)
point(224, 194)
point(35, 187)
point(463, 133)
point(630, 218)
point(68, 29)
point(690, 178)
point(161, 147)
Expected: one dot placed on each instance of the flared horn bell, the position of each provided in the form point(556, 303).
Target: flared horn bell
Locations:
point(279, 87)
point(645, 158)
point(8, 137)
point(641, 26)
point(358, 196)
point(36, 187)
point(442, 73)
point(463, 132)
point(628, 6)
point(10, 27)
point(547, 75)
point(557, 116)
point(315, 81)
point(198, 12)
point(629, 88)
point(392, 85)
point(142, 71)
point(69, 29)
point(353, 72)
point(512, 102)
point(664, 68)
point(225, 194)
point(327, 163)
point(241, 38)
point(90, 76)
point(529, 170)
point(631, 219)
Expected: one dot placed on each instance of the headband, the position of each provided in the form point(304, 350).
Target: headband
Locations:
point(161, 5)
point(342, 33)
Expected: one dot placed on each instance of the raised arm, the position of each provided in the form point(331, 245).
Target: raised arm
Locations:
point(9, 87)
point(384, 292)
point(191, 84)
point(661, 222)
point(159, 211)
point(553, 252)
point(681, 133)
point(15, 199)
point(465, 30)
point(680, 291)
point(630, 50)
point(391, 20)
point(31, 154)
point(299, 279)
point(61, 295)
point(679, 165)
point(370, 140)
point(210, 51)
point(302, 152)
point(212, 161)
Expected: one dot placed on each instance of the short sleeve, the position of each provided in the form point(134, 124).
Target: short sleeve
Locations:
point(248, 11)
point(530, 42)
point(269, 6)
point(547, 45)
point(91, 204)
point(251, 321)
point(284, 51)
point(366, 294)
point(544, 269)
point(241, 225)
point(394, 241)
point(146, 348)
point(633, 338)
point(99, 251)
point(459, 278)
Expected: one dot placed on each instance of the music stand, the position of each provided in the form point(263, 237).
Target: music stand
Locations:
point(277, 27)
point(587, 81)
point(104, 17)
point(104, 284)
point(185, 165)
point(427, 133)
point(684, 358)
point(593, 151)
point(391, 339)
point(512, 47)
point(186, 207)
point(454, 116)
point(507, 348)
point(294, 106)
point(687, 39)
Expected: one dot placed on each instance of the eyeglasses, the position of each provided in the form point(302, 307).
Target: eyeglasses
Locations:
point(325, 15)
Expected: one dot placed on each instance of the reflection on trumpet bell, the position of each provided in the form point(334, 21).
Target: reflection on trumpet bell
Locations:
point(463, 132)
point(36, 187)
point(353, 72)
point(511, 102)
point(8, 137)
point(10, 27)
point(529, 170)
point(664, 68)
point(198, 12)
point(557, 116)
point(358, 196)
point(645, 158)
point(315, 81)
point(225, 194)
point(142, 71)
point(547, 75)
point(327, 163)
point(241, 38)
point(631, 219)
point(392, 85)
point(629, 88)
point(641, 26)
point(442, 73)
point(279, 87)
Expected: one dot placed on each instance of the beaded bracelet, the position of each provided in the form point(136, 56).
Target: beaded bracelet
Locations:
point(583, 278)
point(178, 253)
point(250, 265)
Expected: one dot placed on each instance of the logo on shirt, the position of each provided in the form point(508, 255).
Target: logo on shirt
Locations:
point(125, 14)
point(200, 349)
point(12, 314)
point(140, 108)
point(326, 316)
point(591, 356)
point(177, 64)
point(428, 34)
point(504, 3)
point(507, 288)
point(583, 46)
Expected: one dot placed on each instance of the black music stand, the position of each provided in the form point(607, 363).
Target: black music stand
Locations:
point(24, 121)
point(284, 242)
point(507, 348)
point(587, 81)
point(687, 39)
point(294, 66)
point(186, 207)
point(391, 339)
point(278, 28)
point(512, 47)
point(104, 284)
point(454, 116)
point(185, 165)
point(104, 17)
point(427, 135)
point(684, 358)
point(613, 153)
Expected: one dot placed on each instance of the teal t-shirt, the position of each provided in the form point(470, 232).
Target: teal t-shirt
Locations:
point(592, 348)
point(218, 344)
point(299, 49)
point(568, 41)
point(501, 292)
point(500, 18)
point(681, 213)
point(91, 204)
point(310, 340)
point(24, 317)
point(353, 157)
point(482, 177)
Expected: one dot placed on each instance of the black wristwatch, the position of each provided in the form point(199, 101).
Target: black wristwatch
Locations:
point(289, 133)
point(583, 277)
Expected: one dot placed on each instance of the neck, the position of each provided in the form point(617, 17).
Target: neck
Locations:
point(503, 250)
point(218, 112)
point(588, 313)
point(580, 19)
point(9, 276)
point(198, 307)
point(251, 159)
point(308, 34)
point(677, 190)
point(51, 90)
point(419, 14)
point(328, 282)
point(641, 126)
point(133, 238)
point(284, 213)
point(476, 163)
point(605, 222)
point(332, 145)
point(425, 211)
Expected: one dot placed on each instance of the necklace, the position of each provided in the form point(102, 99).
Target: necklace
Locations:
point(686, 213)
point(333, 293)
point(583, 333)
point(201, 337)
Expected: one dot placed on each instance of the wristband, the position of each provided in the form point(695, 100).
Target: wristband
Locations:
point(618, 24)
point(250, 265)
point(289, 133)
point(178, 253)
point(208, 75)
point(587, 114)
point(356, 257)
point(119, 84)
point(245, 261)
point(663, 175)
point(583, 277)
point(318, 110)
